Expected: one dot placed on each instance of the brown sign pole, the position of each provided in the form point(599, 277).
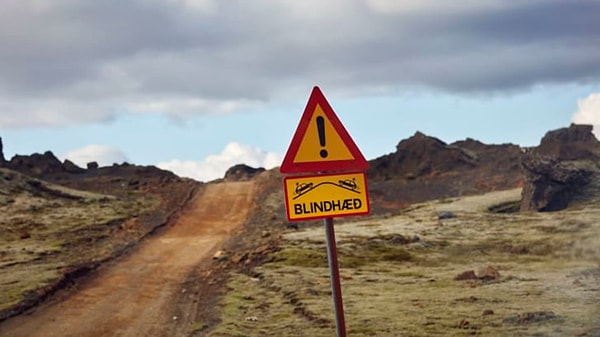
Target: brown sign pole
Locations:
point(334, 270)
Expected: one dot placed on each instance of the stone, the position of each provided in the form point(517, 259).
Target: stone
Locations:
point(466, 275)
point(262, 249)
point(445, 215)
point(237, 258)
point(487, 312)
point(532, 317)
point(463, 324)
point(92, 165)
point(218, 254)
point(291, 225)
point(488, 273)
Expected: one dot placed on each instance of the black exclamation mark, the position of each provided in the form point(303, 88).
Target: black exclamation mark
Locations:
point(321, 129)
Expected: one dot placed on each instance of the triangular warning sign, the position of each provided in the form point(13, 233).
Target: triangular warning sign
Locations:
point(321, 143)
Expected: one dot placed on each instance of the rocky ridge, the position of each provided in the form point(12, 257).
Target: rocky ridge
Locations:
point(2, 159)
point(54, 213)
point(242, 172)
point(564, 167)
point(425, 168)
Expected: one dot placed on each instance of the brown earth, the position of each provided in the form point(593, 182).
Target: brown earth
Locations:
point(134, 295)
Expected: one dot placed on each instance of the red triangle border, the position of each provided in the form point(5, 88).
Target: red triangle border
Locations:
point(359, 163)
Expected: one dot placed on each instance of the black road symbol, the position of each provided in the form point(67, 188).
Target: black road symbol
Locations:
point(347, 184)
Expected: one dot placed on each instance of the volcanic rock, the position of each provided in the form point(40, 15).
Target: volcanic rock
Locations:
point(573, 143)
point(466, 275)
point(420, 155)
point(71, 167)
point(425, 168)
point(2, 160)
point(560, 168)
point(488, 274)
point(36, 164)
point(242, 172)
point(532, 317)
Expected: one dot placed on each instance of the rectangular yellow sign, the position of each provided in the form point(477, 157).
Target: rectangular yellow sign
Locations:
point(326, 196)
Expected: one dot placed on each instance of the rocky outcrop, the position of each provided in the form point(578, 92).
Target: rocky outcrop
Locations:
point(425, 168)
point(420, 155)
point(560, 168)
point(2, 160)
point(573, 143)
point(242, 172)
point(36, 164)
point(71, 167)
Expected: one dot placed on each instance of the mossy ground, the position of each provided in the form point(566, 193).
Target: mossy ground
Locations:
point(46, 229)
point(398, 276)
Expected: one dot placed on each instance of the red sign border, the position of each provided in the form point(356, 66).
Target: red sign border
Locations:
point(359, 163)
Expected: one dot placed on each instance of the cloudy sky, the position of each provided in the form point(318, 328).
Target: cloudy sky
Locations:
point(196, 86)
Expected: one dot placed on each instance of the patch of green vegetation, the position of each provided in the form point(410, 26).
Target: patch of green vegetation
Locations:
point(21, 284)
point(197, 327)
point(362, 331)
point(307, 258)
point(349, 256)
point(260, 308)
point(358, 256)
point(567, 226)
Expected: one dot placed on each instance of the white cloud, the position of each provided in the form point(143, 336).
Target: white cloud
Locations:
point(588, 112)
point(214, 166)
point(103, 155)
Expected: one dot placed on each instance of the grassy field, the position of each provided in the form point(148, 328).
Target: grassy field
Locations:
point(523, 274)
point(48, 230)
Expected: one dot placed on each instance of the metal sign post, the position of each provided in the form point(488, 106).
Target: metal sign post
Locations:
point(334, 270)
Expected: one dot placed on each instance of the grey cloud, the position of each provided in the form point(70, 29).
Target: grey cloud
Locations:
point(112, 54)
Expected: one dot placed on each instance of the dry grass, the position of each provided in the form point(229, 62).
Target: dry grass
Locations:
point(46, 229)
point(398, 276)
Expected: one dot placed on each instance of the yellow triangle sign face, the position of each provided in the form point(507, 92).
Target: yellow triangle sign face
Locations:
point(321, 143)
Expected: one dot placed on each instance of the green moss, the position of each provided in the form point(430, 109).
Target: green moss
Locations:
point(307, 258)
point(350, 256)
point(197, 327)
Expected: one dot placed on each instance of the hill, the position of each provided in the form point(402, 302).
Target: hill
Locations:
point(58, 221)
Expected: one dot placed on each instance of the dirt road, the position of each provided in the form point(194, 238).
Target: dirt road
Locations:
point(133, 296)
